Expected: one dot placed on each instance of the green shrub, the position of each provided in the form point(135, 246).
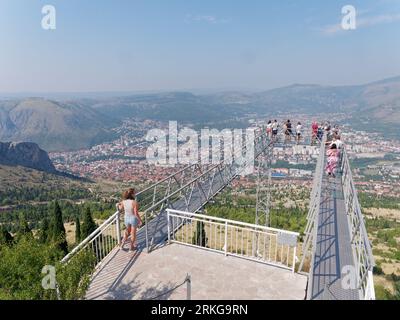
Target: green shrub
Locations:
point(21, 269)
point(21, 266)
point(381, 293)
point(378, 270)
point(73, 278)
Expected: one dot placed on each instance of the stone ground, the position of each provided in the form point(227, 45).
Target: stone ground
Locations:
point(131, 276)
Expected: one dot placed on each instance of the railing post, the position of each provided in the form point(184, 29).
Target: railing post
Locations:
point(169, 228)
point(226, 238)
point(188, 287)
point(370, 290)
point(58, 292)
point(294, 258)
point(147, 232)
point(118, 226)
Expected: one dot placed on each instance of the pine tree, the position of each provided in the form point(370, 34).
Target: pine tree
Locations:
point(57, 230)
point(199, 237)
point(77, 230)
point(88, 225)
point(5, 236)
point(23, 228)
point(44, 231)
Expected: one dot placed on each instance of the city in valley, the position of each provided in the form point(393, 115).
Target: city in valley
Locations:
point(376, 169)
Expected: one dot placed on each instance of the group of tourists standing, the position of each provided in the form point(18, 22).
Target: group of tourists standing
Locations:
point(333, 142)
point(334, 149)
point(273, 127)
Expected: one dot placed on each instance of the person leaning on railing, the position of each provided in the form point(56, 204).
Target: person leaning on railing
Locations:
point(132, 218)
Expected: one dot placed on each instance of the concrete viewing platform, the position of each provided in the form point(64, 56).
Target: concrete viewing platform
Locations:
point(128, 275)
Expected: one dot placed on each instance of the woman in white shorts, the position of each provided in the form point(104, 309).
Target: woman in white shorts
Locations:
point(132, 219)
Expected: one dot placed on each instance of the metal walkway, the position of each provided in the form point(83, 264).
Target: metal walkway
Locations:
point(205, 189)
point(158, 227)
point(341, 257)
point(333, 250)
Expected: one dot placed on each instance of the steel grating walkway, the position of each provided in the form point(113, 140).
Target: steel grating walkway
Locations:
point(158, 226)
point(333, 249)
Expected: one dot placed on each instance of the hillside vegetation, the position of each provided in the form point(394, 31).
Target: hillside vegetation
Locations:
point(19, 185)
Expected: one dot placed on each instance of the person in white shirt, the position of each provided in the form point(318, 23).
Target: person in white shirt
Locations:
point(298, 132)
point(275, 126)
point(338, 142)
point(269, 129)
point(132, 218)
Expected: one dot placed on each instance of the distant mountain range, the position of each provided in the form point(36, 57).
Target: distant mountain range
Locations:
point(80, 123)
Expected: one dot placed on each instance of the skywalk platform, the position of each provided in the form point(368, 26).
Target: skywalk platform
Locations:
point(333, 249)
point(128, 275)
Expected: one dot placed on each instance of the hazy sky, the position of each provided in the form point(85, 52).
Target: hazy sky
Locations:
point(128, 45)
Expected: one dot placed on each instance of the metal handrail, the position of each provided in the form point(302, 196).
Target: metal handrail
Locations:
point(358, 208)
point(165, 179)
point(362, 251)
point(245, 224)
point(86, 241)
point(314, 208)
point(274, 250)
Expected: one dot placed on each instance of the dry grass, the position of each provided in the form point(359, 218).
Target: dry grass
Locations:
point(70, 229)
point(382, 281)
point(389, 268)
point(393, 214)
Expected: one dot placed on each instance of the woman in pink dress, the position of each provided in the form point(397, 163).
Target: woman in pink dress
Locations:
point(332, 160)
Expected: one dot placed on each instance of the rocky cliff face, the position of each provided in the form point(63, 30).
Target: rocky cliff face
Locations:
point(26, 154)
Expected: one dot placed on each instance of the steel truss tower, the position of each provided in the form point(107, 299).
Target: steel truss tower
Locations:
point(264, 188)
